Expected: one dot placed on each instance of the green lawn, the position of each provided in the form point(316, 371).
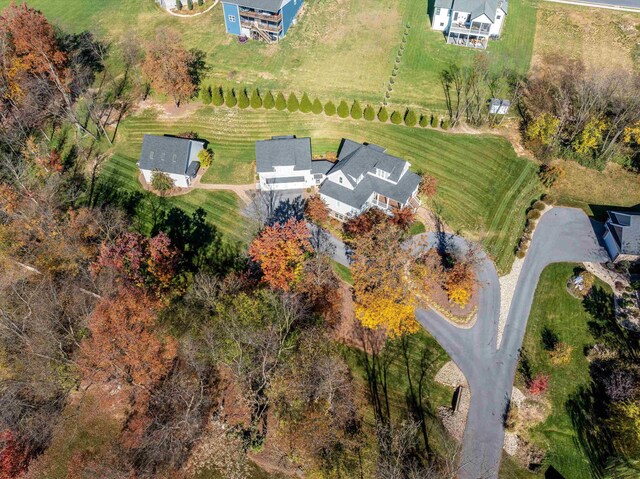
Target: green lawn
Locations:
point(556, 309)
point(222, 207)
point(337, 50)
point(484, 187)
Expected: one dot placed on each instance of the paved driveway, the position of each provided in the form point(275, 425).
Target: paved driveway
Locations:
point(563, 235)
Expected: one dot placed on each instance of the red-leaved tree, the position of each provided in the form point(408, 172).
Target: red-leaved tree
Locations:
point(539, 385)
point(13, 456)
point(403, 218)
point(125, 344)
point(280, 251)
point(149, 264)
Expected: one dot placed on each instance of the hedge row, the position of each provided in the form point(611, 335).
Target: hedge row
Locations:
point(232, 97)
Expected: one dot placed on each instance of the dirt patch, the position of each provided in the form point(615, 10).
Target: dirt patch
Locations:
point(349, 331)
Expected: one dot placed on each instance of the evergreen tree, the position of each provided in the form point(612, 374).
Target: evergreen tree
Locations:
point(329, 108)
point(446, 124)
point(305, 104)
point(316, 107)
point(434, 121)
point(216, 96)
point(396, 118)
point(292, 102)
point(343, 109)
point(281, 103)
point(269, 102)
point(230, 98)
point(178, 4)
point(410, 118)
point(424, 121)
point(369, 113)
point(243, 99)
point(205, 95)
point(200, 2)
point(256, 101)
point(383, 114)
point(356, 110)
point(190, 4)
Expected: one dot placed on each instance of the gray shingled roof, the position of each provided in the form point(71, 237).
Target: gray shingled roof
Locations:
point(625, 229)
point(283, 151)
point(321, 166)
point(166, 153)
point(362, 158)
point(475, 7)
point(356, 159)
point(268, 5)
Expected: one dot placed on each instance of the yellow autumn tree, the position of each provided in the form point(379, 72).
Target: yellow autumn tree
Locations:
point(632, 134)
point(383, 300)
point(543, 129)
point(590, 138)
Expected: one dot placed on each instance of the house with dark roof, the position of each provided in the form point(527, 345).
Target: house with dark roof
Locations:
point(469, 23)
point(622, 236)
point(267, 20)
point(364, 176)
point(177, 157)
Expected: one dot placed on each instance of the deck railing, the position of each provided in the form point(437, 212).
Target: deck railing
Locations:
point(262, 16)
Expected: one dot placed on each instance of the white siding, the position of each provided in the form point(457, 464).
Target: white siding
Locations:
point(286, 172)
point(339, 178)
point(339, 207)
point(441, 18)
point(181, 181)
point(496, 28)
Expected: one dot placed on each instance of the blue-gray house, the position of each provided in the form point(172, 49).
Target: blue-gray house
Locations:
point(266, 20)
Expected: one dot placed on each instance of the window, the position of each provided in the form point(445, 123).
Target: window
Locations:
point(340, 179)
point(437, 11)
point(455, 16)
point(442, 24)
point(498, 17)
point(232, 18)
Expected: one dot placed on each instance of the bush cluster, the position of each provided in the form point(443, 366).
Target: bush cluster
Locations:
point(243, 98)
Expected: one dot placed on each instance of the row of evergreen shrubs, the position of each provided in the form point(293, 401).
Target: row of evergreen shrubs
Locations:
point(232, 97)
point(189, 4)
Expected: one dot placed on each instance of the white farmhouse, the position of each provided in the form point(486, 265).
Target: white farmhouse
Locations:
point(177, 157)
point(469, 22)
point(363, 177)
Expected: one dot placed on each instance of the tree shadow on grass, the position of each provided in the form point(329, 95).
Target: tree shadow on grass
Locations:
point(605, 328)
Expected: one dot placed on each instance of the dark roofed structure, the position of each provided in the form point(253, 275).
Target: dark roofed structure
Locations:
point(358, 159)
point(283, 151)
point(167, 154)
point(622, 237)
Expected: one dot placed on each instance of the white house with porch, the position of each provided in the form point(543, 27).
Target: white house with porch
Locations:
point(469, 23)
point(364, 176)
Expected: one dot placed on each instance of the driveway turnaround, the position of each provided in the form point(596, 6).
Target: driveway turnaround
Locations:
point(562, 235)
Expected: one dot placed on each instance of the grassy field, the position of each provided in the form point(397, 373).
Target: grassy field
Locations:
point(609, 41)
point(338, 49)
point(592, 190)
point(483, 190)
point(556, 309)
point(222, 207)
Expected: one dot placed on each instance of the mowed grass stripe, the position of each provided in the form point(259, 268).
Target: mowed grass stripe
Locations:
point(222, 207)
point(484, 187)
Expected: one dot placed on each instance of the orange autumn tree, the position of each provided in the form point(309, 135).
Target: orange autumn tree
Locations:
point(125, 344)
point(316, 211)
point(280, 251)
point(383, 301)
point(30, 48)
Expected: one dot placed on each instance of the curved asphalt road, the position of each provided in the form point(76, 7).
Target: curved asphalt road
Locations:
point(562, 235)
